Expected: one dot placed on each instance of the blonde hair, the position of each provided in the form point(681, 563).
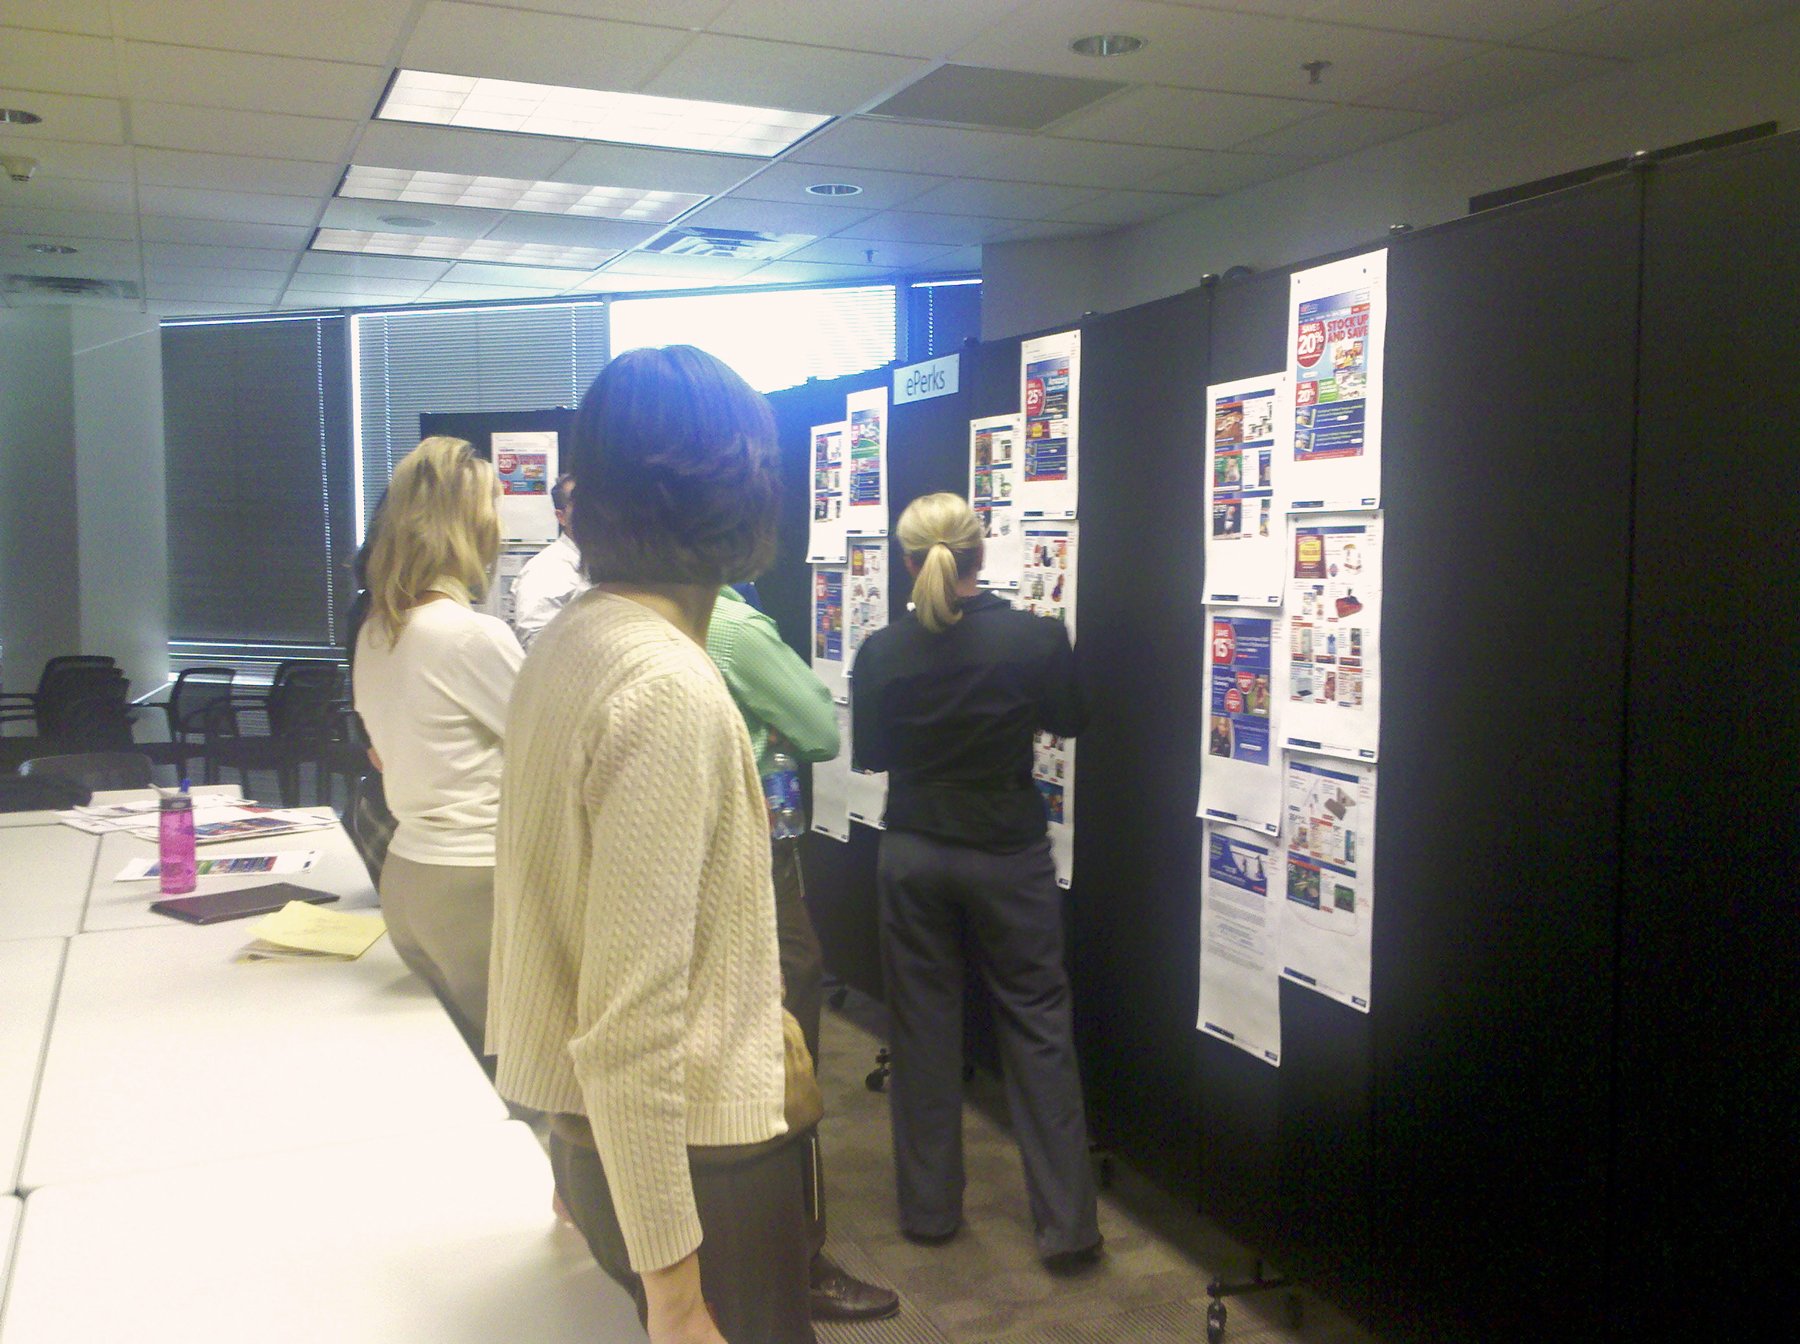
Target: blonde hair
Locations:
point(942, 536)
point(439, 523)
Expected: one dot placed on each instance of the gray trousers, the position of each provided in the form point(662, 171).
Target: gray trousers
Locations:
point(803, 995)
point(930, 892)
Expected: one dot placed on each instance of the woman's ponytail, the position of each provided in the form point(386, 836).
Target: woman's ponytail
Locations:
point(942, 536)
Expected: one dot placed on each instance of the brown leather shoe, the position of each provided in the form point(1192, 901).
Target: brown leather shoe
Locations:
point(836, 1296)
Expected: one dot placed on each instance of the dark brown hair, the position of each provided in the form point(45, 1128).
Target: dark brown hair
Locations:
point(674, 462)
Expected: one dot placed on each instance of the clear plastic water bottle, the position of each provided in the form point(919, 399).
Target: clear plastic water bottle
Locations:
point(781, 790)
point(175, 842)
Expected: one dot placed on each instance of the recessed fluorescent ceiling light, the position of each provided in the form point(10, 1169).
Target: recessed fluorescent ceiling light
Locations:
point(513, 193)
point(460, 249)
point(593, 114)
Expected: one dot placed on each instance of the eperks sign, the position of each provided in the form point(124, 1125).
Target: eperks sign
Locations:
point(933, 378)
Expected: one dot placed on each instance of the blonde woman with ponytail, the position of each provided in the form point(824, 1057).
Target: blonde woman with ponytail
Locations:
point(947, 701)
point(432, 681)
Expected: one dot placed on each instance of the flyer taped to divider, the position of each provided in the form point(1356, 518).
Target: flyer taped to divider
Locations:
point(1050, 395)
point(1248, 432)
point(1047, 588)
point(865, 790)
point(1240, 768)
point(826, 537)
point(831, 784)
point(865, 611)
point(1240, 922)
point(829, 656)
point(1328, 915)
point(993, 494)
point(866, 501)
point(1331, 638)
point(1337, 326)
point(526, 463)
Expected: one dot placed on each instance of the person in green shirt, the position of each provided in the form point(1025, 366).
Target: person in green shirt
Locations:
point(786, 707)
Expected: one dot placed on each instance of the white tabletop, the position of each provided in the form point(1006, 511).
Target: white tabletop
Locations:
point(165, 1052)
point(28, 975)
point(441, 1237)
point(44, 875)
point(126, 905)
point(9, 1224)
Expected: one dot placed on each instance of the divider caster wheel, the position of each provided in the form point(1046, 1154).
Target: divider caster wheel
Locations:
point(878, 1076)
point(1215, 1322)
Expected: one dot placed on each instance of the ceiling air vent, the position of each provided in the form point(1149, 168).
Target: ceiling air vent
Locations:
point(743, 244)
point(70, 287)
point(1010, 100)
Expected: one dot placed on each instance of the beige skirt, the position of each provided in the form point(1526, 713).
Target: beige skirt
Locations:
point(441, 918)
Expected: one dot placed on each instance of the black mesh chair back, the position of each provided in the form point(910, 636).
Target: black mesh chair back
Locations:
point(94, 770)
point(191, 700)
point(42, 793)
point(86, 707)
point(303, 705)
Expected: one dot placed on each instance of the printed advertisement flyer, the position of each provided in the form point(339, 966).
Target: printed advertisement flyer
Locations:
point(1337, 323)
point(1047, 588)
point(828, 628)
point(831, 785)
point(1248, 430)
point(865, 505)
point(825, 541)
point(866, 598)
point(1329, 877)
point(1332, 635)
point(1240, 769)
point(1050, 393)
point(1240, 983)
point(526, 463)
point(993, 493)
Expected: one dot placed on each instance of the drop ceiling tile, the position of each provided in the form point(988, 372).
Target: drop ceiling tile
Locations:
point(57, 193)
point(692, 14)
point(195, 282)
point(258, 134)
point(233, 172)
point(163, 308)
point(821, 221)
point(1632, 30)
point(327, 30)
point(448, 293)
point(16, 248)
point(715, 270)
point(243, 80)
point(1340, 131)
point(538, 277)
point(904, 226)
point(781, 74)
point(93, 268)
point(1494, 79)
point(441, 149)
point(67, 225)
point(257, 296)
point(785, 272)
point(458, 39)
point(1482, 20)
point(324, 270)
point(616, 282)
point(657, 169)
point(1223, 173)
point(56, 62)
point(571, 231)
point(164, 255)
point(1213, 49)
point(1184, 118)
point(350, 293)
point(96, 120)
point(880, 190)
point(1116, 208)
point(1050, 228)
point(70, 159)
point(63, 16)
point(447, 221)
point(237, 206)
point(224, 233)
point(1009, 200)
point(962, 260)
point(855, 252)
point(927, 28)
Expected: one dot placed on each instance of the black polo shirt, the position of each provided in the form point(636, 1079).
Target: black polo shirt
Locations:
point(951, 716)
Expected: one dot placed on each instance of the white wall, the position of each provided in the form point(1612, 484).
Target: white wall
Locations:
point(1424, 178)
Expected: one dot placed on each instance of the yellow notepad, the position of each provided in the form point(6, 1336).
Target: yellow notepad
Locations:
point(303, 931)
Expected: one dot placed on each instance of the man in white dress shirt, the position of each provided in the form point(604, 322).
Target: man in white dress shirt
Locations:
point(552, 578)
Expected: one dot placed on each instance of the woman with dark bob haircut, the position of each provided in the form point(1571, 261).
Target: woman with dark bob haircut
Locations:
point(636, 987)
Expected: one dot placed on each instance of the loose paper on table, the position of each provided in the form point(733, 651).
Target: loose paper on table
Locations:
point(1240, 767)
point(825, 541)
point(236, 865)
point(302, 931)
point(1240, 983)
point(1249, 433)
point(1050, 395)
point(1337, 326)
point(1331, 640)
point(1047, 588)
point(993, 493)
point(866, 502)
point(1328, 916)
point(526, 463)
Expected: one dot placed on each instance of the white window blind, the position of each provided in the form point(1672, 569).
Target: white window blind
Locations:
point(466, 359)
point(773, 338)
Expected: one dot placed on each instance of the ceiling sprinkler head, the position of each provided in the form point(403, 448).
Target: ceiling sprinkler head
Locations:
point(1314, 69)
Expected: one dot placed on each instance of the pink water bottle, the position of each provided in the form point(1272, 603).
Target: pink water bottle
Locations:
point(175, 842)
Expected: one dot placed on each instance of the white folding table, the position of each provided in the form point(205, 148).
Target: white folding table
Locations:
point(441, 1236)
point(44, 875)
point(167, 1052)
point(29, 969)
point(9, 1226)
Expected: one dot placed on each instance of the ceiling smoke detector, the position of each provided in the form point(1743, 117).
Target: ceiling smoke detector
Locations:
point(834, 189)
point(1107, 44)
point(18, 116)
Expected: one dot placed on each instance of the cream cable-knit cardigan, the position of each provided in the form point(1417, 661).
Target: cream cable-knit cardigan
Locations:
point(635, 973)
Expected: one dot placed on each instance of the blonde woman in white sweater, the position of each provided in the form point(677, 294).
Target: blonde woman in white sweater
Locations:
point(636, 982)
